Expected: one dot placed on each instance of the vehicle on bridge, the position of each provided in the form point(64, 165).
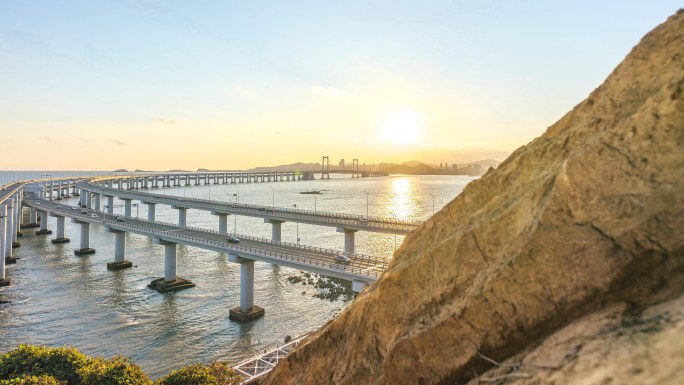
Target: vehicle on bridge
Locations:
point(233, 240)
point(342, 259)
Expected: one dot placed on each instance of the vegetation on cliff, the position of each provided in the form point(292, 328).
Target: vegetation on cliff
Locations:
point(33, 365)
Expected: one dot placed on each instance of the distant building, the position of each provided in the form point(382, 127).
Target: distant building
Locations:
point(341, 163)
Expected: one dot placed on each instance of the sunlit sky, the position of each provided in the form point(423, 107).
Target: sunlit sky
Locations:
point(88, 85)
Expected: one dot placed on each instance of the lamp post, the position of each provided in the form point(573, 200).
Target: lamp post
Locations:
point(295, 206)
point(237, 200)
point(433, 204)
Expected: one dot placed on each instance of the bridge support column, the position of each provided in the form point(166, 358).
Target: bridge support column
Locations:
point(98, 198)
point(223, 222)
point(120, 261)
point(61, 230)
point(358, 286)
point(247, 310)
point(33, 219)
point(85, 239)
point(59, 191)
point(171, 281)
point(150, 211)
point(11, 236)
point(127, 207)
point(19, 219)
point(276, 229)
point(43, 224)
point(4, 281)
point(82, 198)
point(349, 246)
point(110, 204)
point(89, 199)
point(182, 215)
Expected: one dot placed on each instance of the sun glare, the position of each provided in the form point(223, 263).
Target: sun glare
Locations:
point(402, 126)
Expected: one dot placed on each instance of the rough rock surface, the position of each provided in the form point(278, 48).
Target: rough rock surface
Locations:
point(584, 219)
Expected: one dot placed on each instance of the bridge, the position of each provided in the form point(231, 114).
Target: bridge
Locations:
point(39, 197)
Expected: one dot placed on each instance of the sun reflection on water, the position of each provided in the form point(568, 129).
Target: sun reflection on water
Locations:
point(400, 203)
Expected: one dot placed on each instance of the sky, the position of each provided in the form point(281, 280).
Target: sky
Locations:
point(159, 85)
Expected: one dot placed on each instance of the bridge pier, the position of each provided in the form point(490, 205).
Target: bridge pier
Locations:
point(276, 229)
point(89, 200)
point(171, 281)
point(11, 222)
point(358, 286)
point(10, 233)
point(247, 310)
point(98, 198)
point(19, 218)
point(59, 191)
point(85, 238)
point(223, 222)
point(4, 281)
point(182, 215)
point(349, 244)
point(127, 207)
point(110, 204)
point(120, 261)
point(82, 198)
point(33, 219)
point(151, 209)
point(61, 230)
point(43, 224)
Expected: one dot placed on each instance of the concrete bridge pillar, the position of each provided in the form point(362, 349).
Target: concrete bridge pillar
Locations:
point(59, 191)
point(171, 281)
point(182, 215)
point(68, 189)
point(223, 222)
point(276, 229)
point(98, 198)
point(110, 204)
point(247, 310)
point(82, 198)
point(127, 207)
point(85, 238)
point(11, 236)
point(120, 261)
point(349, 246)
point(89, 199)
point(61, 231)
point(19, 219)
point(358, 286)
point(4, 281)
point(43, 224)
point(151, 208)
point(33, 218)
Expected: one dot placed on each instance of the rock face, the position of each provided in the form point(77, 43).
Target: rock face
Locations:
point(587, 218)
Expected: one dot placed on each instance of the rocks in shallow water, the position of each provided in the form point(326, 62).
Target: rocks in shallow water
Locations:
point(326, 287)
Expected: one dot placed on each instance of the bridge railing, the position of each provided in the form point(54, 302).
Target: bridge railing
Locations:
point(340, 218)
point(321, 250)
point(171, 236)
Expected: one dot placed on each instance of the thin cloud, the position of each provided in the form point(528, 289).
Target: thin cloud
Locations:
point(334, 92)
point(167, 121)
point(118, 142)
point(49, 139)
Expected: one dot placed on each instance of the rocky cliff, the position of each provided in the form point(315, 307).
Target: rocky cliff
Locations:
point(585, 221)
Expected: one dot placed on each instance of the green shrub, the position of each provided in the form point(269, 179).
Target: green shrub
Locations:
point(43, 379)
point(64, 364)
point(115, 371)
point(217, 373)
point(33, 365)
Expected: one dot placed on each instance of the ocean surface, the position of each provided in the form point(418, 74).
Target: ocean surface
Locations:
point(57, 298)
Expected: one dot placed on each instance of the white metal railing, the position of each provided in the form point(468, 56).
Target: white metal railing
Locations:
point(259, 365)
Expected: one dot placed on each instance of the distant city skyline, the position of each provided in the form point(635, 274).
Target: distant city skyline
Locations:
point(177, 85)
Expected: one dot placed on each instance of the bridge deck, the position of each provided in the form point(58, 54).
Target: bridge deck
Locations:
point(322, 218)
point(314, 259)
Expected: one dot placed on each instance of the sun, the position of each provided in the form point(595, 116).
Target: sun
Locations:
point(402, 126)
